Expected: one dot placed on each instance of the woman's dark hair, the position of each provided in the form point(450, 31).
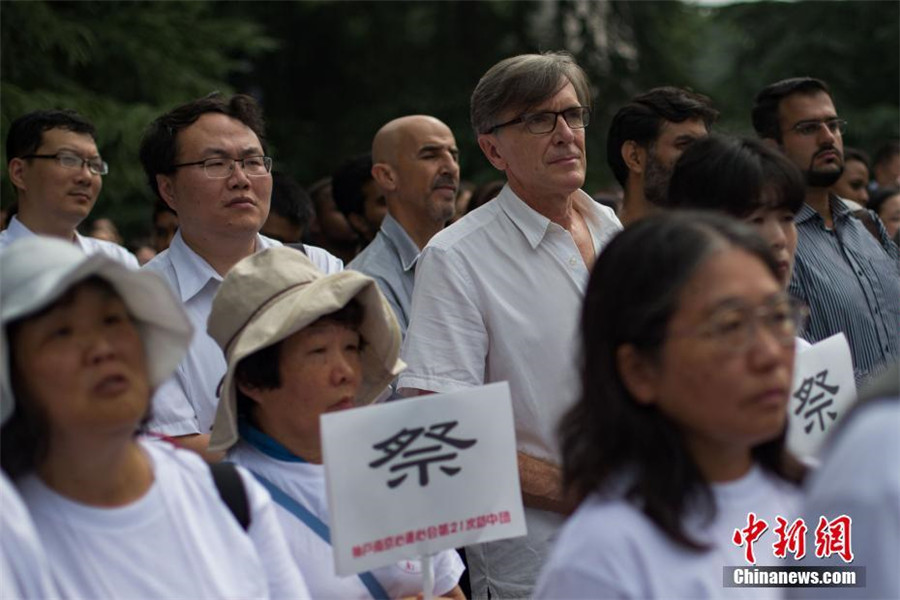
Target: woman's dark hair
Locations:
point(260, 370)
point(607, 434)
point(25, 437)
point(879, 197)
point(736, 176)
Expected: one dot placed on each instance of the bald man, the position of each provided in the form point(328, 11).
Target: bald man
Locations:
point(415, 162)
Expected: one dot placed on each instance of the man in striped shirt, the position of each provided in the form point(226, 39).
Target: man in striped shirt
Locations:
point(849, 279)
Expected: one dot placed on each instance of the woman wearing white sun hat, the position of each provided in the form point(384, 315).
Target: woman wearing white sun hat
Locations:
point(298, 344)
point(118, 515)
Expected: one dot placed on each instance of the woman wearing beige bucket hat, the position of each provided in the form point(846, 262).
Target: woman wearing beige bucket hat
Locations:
point(298, 344)
point(85, 341)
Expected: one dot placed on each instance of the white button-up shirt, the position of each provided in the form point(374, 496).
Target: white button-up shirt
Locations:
point(88, 245)
point(186, 403)
point(498, 298)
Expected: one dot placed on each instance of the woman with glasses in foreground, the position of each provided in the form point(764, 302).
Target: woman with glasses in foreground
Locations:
point(119, 515)
point(679, 431)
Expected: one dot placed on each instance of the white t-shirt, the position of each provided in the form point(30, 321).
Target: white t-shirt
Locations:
point(498, 297)
point(88, 245)
point(305, 483)
point(186, 403)
point(178, 541)
point(24, 570)
point(610, 549)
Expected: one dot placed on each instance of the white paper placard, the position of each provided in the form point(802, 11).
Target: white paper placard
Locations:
point(416, 476)
point(823, 389)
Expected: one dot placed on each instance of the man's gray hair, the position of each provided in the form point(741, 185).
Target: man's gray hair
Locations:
point(522, 82)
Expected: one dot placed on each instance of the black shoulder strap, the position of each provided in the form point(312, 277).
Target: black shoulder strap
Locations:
point(231, 489)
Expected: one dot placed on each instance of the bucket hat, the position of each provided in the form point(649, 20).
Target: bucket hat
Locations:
point(36, 271)
point(275, 293)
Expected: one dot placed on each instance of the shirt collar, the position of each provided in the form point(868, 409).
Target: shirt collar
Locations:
point(533, 224)
point(17, 229)
point(192, 271)
point(839, 210)
point(406, 247)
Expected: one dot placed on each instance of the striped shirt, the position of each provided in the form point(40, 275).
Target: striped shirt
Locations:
point(851, 283)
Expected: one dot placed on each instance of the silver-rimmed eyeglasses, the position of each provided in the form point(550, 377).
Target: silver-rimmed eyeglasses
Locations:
point(733, 327)
point(810, 128)
point(221, 167)
point(70, 160)
point(577, 117)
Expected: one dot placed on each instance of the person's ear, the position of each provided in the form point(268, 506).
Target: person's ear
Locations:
point(488, 144)
point(251, 391)
point(385, 176)
point(358, 223)
point(635, 156)
point(166, 187)
point(639, 374)
point(771, 143)
point(16, 169)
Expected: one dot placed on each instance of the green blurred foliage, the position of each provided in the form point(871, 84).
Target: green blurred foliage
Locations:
point(330, 73)
point(120, 64)
point(854, 46)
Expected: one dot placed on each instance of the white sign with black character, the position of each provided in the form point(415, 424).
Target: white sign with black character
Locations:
point(822, 392)
point(413, 477)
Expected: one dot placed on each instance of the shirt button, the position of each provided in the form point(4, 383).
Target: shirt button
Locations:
point(573, 261)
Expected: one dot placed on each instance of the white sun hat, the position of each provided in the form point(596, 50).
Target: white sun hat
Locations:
point(36, 271)
point(277, 292)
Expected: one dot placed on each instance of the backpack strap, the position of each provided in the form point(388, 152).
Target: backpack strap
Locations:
point(322, 530)
point(231, 489)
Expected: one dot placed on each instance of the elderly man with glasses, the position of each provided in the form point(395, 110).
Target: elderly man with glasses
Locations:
point(849, 279)
point(57, 171)
point(498, 293)
point(207, 161)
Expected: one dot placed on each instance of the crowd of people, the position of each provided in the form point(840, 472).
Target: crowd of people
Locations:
point(161, 412)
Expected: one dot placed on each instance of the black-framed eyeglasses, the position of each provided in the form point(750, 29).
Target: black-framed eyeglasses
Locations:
point(70, 160)
point(577, 117)
point(810, 128)
point(221, 167)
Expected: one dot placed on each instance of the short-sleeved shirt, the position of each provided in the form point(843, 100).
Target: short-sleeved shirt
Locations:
point(88, 245)
point(498, 298)
point(390, 259)
point(186, 403)
point(611, 549)
point(24, 568)
point(179, 540)
point(851, 283)
point(305, 484)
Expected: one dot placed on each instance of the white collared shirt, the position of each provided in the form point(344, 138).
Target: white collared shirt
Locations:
point(186, 403)
point(88, 245)
point(498, 297)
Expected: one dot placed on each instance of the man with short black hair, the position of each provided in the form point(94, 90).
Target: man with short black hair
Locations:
point(207, 160)
point(57, 171)
point(886, 166)
point(849, 278)
point(646, 137)
point(358, 196)
point(290, 212)
point(498, 293)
